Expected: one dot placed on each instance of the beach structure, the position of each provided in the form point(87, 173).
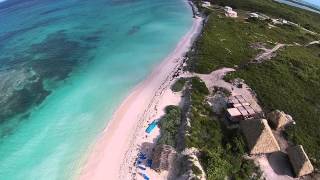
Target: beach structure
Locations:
point(235, 101)
point(239, 109)
point(259, 16)
point(229, 12)
point(263, 16)
point(283, 21)
point(145, 177)
point(280, 21)
point(259, 136)
point(163, 158)
point(151, 126)
point(234, 115)
point(299, 161)
point(278, 119)
point(206, 4)
point(228, 8)
point(239, 113)
point(253, 15)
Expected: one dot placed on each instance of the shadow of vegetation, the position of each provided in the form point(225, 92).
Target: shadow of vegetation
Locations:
point(280, 163)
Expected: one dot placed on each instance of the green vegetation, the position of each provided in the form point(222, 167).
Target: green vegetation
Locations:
point(291, 82)
point(226, 42)
point(222, 149)
point(178, 85)
point(195, 169)
point(169, 125)
point(199, 86)
point(307, 19)
point(222, 90)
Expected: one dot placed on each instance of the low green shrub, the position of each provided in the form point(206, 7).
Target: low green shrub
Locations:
point(178, 85)
point(221, 149)
point(169, 125)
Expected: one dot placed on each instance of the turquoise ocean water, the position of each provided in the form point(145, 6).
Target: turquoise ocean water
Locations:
point(65, 65)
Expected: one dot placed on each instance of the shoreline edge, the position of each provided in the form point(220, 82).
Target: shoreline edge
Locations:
point(108, 157)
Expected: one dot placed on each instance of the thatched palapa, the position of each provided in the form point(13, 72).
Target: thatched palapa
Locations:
point(259, 136)
point(163, 157)
point(300, 161)
point(278, 119)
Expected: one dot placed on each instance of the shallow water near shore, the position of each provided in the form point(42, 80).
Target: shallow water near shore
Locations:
point(65, 66)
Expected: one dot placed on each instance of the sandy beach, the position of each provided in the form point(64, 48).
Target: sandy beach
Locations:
point(114, 152)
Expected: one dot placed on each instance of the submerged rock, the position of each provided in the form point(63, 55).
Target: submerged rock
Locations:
point(24, 74)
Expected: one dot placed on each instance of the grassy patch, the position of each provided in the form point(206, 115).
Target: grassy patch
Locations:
point(227, 42)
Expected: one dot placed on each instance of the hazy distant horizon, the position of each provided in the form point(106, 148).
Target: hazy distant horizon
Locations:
point(307, 4)
point(315, 2)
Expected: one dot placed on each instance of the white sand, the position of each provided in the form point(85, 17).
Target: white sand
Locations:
point(145, 142)
point(113, 154)
point(215, 79)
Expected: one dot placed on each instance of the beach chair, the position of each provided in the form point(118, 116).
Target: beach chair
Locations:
point(151, 126)
point(142, 168)
point(142, 156)
point(149, 163)
point(145, 177)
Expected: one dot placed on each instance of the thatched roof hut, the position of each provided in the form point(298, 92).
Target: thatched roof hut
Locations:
point(299, 160)
point(259, 136)
point(163, 158)
point(278, 119)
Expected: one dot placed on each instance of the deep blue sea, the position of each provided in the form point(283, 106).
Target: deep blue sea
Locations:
point(65, 65)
